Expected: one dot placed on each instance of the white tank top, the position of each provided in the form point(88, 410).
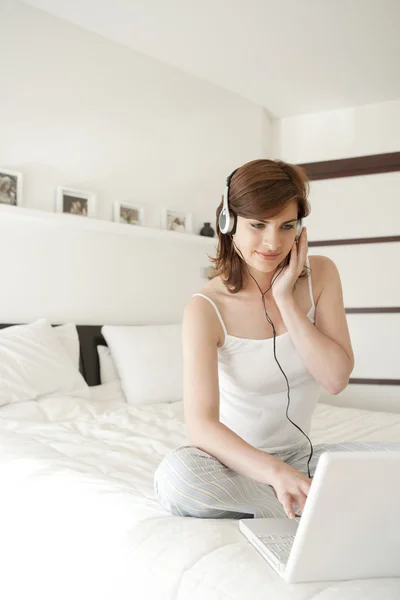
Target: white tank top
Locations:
point(253, 390)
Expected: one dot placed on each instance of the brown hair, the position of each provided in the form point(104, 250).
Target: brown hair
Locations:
point(258, 189)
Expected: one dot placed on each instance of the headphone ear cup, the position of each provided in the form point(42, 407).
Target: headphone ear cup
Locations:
point(227, 221)
point(223, 220)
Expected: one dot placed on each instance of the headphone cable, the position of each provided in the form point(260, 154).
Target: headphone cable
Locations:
point(274, 347)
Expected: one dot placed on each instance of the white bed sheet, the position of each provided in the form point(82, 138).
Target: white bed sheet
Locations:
point(79, 518)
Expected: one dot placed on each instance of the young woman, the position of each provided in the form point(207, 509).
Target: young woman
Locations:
point(259, 341)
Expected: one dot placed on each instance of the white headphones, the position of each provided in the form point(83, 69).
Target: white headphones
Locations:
point(227, 220)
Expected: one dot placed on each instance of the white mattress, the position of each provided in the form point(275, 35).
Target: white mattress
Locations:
point(79, 518)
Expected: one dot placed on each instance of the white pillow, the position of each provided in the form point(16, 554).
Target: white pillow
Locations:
point(68, 336)
point(148, 360)
point(108, 370)
point(34, 364)
point(107, 392)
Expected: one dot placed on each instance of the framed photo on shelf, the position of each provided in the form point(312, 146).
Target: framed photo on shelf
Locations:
point(128, 213)
point(174, 220)
point(75, 202)
point(10, 187)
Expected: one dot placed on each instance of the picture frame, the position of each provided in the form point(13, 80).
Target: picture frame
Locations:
point(176, 220)
point(10, 187)
point(128, 214)
point(75, 202)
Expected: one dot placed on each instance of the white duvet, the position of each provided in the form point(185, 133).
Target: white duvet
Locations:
point(79, 518)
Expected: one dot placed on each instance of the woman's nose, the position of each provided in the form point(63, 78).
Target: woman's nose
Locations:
point(271, 239)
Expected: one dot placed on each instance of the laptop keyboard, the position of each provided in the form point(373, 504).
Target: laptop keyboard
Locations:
point(279, 544)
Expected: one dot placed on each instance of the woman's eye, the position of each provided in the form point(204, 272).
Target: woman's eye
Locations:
point(257, 225)
point(262, 225)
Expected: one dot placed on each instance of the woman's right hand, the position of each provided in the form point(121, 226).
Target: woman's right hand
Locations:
point(290, 486)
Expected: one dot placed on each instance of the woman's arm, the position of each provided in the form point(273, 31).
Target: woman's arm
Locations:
point(326, 347)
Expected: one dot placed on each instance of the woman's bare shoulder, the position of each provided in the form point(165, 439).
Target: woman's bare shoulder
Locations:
point(320, 265)
point(322, 268)
point(201, 313)
point(214, 289)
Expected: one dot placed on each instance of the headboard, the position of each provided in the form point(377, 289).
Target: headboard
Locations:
point(89, 338)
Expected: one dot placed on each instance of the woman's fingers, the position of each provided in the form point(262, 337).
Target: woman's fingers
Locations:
point(293, 256)
point(300, 501)
point(287, 502)
point(302, 249)
point(305, 487)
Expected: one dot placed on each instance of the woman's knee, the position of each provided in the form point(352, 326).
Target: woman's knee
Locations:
point(186, 461)
point(176, 479)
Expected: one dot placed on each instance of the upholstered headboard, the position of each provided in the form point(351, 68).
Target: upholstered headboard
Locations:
point(89, 338)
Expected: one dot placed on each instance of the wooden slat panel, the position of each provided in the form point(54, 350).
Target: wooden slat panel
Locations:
point(350, 167)
point(368, 381)
point(373, 309)
point(355, 241)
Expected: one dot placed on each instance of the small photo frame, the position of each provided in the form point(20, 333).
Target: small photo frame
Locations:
point(128, 214)
point(175, 220)
point(10, 187)
point(75, 202)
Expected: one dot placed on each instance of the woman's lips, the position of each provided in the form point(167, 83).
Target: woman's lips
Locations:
point(268, 256)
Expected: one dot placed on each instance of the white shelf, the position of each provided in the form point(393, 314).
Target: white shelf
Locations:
point(19, 212)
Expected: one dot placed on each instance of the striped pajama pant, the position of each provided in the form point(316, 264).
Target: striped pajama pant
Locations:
point(191, 483)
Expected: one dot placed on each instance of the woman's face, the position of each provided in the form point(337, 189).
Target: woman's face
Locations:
point(265, 243)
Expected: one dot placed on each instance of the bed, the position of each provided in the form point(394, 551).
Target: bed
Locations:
point(80, 519)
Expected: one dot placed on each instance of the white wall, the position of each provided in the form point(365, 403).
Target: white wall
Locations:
point(353, 207)
point(329, 135)
point(81, 111)
point(68, 268)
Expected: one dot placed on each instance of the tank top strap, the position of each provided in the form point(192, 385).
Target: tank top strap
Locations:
point(215, 308)
point(310, 283)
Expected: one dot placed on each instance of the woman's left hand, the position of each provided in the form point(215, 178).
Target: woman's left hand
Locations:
point(283, 285)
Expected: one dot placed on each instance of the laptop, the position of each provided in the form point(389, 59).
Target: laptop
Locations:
point(350, 525)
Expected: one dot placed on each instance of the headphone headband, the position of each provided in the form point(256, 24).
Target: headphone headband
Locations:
point(227, 220)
